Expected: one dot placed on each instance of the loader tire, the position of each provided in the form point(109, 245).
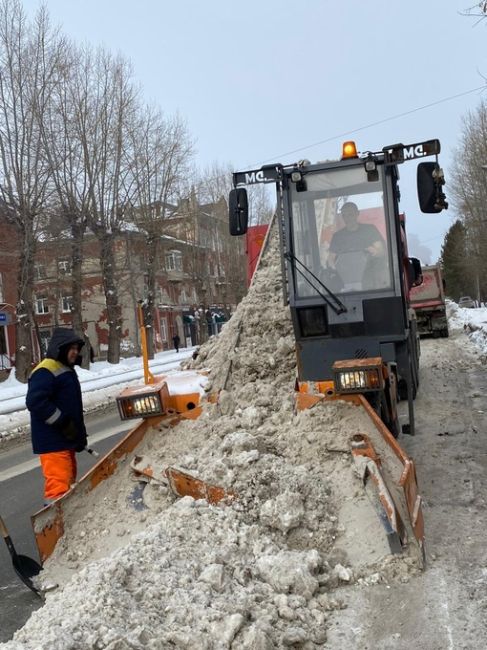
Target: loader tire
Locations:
point(402, 389)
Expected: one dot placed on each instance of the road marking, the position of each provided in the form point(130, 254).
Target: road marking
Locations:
point(33, 463)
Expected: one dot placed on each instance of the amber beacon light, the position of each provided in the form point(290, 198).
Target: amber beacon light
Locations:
point(349, 150)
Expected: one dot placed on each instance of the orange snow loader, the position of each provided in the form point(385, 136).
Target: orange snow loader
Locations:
point(157, 404)
point(347, 276)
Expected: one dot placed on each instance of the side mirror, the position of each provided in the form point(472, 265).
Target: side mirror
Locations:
point(238, 211)
point(430, 182)
point(415, 272)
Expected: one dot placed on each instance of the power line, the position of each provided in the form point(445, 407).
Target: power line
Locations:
point(383, 121)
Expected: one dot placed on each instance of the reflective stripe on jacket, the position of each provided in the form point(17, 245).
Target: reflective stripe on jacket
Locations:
point(54, 396)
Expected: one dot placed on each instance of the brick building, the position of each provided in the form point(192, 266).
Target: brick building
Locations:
point(200, 272)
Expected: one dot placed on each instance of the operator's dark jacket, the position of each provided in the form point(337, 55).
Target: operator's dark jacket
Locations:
point(54, 397)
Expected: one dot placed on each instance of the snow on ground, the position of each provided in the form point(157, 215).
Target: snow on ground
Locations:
point(472, 321)
point(100, 385)
point(142, 570)
point(147, 570)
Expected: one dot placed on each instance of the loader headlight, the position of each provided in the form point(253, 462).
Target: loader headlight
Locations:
point(354, 376)
point(143, 402)
point(140, 407)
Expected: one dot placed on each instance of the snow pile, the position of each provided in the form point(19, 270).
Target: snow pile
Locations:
point(471, 321)
point(200, 578)
point(139, 568)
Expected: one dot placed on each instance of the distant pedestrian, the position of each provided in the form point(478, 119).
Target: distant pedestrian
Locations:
point(176, 340)
point(56, 412)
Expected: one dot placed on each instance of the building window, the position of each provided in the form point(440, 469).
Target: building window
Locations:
point(41, 305)
point(174, 261)
point(64, 267)
point(164, 329)
point(39, 272)
point(66, 304)
point(1, 288)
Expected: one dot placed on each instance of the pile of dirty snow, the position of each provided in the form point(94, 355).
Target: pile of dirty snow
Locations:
point(472, 321)
point(139, 568)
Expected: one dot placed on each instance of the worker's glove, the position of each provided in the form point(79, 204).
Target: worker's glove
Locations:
point(80, 446)
point(68, 429)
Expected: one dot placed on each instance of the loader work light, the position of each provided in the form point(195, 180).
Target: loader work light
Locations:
point(143, 402)
point(349, 150)
point(358, 376)
point(298, 179)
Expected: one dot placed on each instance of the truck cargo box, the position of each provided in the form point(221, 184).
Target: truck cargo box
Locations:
point(428, 301)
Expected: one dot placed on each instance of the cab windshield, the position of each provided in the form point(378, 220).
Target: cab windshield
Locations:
point(340, 232)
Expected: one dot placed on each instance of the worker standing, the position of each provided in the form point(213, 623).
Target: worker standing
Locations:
point(56, 410)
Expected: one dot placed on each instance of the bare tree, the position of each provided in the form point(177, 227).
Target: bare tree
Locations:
point(106, 105)
point(29, 66)
point(261, 207)
point(161, 149)
point(468, 186)
point(64, 152)
point(478, 10)
point(213, 187)
point(214, 181)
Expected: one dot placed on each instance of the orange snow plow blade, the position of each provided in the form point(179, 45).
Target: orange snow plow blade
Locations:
point(368, 464)
point(406, 491)
point(156, 404)
point(408, 481)
point(180, 483)
point(48, 523)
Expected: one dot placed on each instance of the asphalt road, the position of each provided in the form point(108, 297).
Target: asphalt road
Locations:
point(20, 497)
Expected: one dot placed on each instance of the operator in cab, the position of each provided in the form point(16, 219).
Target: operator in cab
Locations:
point(358, 253)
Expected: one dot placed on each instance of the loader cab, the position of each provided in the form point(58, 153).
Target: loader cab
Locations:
point(344, 255)
point(344, 266)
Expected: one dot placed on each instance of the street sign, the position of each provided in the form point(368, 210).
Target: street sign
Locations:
point(3, 318)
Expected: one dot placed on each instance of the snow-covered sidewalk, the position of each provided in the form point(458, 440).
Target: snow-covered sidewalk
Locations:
point(100, 384)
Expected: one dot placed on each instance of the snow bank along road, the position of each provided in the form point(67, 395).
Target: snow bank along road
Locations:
point(444, 608)
point(296, 560)
point(99, 386)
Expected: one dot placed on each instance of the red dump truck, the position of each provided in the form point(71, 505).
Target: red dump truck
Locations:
point(428, 301)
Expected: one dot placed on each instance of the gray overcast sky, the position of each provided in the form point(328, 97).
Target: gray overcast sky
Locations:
point(258, 79)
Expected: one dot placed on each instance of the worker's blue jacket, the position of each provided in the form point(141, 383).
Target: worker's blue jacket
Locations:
point(54, 397)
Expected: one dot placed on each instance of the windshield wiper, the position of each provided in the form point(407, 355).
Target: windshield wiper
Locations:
point(336, 304)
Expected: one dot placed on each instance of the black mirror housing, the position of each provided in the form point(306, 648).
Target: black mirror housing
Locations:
point(430, 194)
point(238, 211)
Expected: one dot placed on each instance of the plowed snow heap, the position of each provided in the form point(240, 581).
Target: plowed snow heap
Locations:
point(151, 571)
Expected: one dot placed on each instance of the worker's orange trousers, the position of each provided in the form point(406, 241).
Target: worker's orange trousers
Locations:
point(59, 469)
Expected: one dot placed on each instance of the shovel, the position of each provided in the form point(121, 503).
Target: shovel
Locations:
point(25, 567)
